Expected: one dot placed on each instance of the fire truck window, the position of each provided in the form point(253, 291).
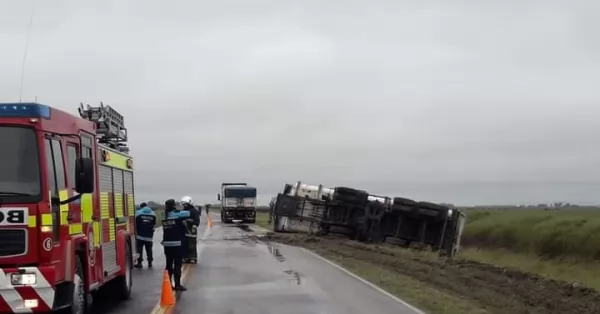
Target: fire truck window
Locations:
point(72, 159)
point(52, 186)
point(51, 170)
point(59, 165)
point(86, 141)
point(87, 152)
point(87, 146)
point(19, 164)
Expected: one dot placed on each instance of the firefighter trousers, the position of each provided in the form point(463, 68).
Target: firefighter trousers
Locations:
point(174, 255)
point(140, 246)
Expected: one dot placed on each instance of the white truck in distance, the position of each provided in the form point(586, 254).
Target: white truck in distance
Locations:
point(238, 203)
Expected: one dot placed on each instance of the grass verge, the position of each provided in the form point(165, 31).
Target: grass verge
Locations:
point(549, 234)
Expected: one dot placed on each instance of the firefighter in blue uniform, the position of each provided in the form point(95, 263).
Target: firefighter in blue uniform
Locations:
point(145, 221)
point(190, 252)
point(173, 236)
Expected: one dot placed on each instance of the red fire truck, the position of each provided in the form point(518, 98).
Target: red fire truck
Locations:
point(66, 207)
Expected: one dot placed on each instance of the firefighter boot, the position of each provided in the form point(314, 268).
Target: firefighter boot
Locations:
point(138, 264)
point(178, 286)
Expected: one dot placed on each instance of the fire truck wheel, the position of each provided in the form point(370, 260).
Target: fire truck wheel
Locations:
point(79, 303)
point(125, 282)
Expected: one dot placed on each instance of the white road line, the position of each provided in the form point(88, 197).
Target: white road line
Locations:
point(366, 282)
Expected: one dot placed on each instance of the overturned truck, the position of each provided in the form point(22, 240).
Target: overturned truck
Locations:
point(367, 217)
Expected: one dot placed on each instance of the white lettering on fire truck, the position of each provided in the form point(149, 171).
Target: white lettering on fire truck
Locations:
point(14, 216)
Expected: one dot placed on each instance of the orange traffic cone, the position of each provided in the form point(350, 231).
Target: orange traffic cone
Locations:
point(210, 222)
point(167, 298)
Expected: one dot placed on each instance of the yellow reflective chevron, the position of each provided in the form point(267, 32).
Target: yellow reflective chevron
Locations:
point(111, 229)
point(119, 212)
point(75, 228)
point(87, 207)
point(115, 159)
point(104, 213)
point(47, 220)
point(32, 222)
point(96, 228)
point(64, 209)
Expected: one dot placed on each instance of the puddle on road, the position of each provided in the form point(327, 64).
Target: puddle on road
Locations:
point(294, 274)
point(274, 250)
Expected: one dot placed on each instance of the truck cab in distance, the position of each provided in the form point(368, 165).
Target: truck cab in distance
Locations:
point(238, 203)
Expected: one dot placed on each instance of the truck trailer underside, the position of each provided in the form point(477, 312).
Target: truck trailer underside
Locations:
point(365, 218)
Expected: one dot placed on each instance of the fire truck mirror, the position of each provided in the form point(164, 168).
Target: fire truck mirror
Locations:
point(84, 168)
point(219, 197)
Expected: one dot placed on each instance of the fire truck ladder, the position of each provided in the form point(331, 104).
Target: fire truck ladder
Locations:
point(110, 125)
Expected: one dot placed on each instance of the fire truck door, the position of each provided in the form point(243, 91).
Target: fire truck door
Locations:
point(56, 182)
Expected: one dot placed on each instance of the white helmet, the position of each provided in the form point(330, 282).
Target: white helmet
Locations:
point(186, 200)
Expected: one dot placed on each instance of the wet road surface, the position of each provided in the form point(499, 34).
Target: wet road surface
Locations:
point(239, 274)
point(146, 284)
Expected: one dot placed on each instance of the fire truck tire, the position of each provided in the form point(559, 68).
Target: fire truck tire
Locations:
point(124, 282)
point(79, 302)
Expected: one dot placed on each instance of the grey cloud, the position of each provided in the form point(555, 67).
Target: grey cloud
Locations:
point(398, 97)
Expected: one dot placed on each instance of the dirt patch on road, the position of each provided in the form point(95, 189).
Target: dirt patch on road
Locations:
point(494, 289)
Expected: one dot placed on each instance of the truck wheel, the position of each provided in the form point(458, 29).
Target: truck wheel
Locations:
point(125, 282)
point(79, 301)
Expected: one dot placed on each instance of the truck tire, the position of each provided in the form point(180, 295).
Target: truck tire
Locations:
point(124, 283)
point(434, 210)
point(79, 301)
point(403, 201)
point(350, 195)
point(433, 206)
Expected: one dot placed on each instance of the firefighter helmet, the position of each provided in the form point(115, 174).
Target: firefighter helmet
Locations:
point(186, 200)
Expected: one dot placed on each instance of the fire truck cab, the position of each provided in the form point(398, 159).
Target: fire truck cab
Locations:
point(66, 207)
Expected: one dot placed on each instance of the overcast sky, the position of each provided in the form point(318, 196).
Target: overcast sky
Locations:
point(455, 101)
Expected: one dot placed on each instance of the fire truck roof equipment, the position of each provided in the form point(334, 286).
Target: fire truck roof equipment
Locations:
point(110, 125)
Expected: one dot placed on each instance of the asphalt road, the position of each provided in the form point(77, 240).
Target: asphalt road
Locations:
point(238, 273)
point(147, 284)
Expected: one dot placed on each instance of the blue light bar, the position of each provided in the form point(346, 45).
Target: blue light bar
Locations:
point(24, 110)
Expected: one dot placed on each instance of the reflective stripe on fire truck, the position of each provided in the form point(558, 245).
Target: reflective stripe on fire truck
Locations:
point(105, 214)
point(87, 212)
point(74, 228)
point(14, 296)
point(123, 215)
point(46, 219)
point(64, 209)
point(116, 211)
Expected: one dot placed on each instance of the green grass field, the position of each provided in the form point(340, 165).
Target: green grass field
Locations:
point(550, 234)
point(558, 244)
